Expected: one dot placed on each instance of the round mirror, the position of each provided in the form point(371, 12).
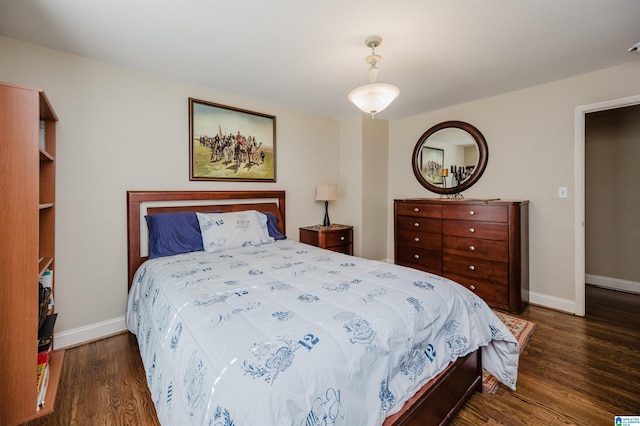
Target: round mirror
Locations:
point(450, 157)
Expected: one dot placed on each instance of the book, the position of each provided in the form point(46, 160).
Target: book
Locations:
point(43, 383)
point(47, 278)
point(42, 136)
point(47, 281)
point(45, 333)
point(43, 356)
point(41, 368)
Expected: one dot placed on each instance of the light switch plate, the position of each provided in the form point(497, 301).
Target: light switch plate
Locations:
point(563, 192)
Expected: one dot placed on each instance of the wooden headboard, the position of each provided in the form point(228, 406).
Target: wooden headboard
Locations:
point(208, 201)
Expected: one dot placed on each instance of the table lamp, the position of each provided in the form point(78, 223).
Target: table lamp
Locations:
point(326, 192)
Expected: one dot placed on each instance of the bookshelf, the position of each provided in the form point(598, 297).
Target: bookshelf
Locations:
point(28, 197)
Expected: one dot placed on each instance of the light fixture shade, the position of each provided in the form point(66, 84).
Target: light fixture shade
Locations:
point(326, 192)
point(373, 98)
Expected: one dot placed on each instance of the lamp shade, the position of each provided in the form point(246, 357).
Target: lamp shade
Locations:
point(373, 98)
point(326, 192)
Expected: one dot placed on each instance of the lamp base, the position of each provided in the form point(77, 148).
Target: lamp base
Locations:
point(326, 214)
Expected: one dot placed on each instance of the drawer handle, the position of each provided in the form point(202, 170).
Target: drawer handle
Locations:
point(471, 212)
point(472, 248)
point(416, 256)
point(472, 268)
point(472, 287)
point(341, 238)
point(472, 230)
point(416, 239)
point(416, 224)
point(416, 209)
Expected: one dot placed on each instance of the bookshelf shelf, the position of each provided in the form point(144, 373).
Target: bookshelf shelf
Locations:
point(45, 156)
point(43, 265)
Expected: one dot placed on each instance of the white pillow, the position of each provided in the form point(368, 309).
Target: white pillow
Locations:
point(222, 231)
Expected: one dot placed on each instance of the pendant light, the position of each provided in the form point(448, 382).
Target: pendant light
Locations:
point(373, 97)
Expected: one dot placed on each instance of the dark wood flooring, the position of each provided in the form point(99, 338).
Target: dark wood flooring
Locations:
point(574, 371)
point(613, 306)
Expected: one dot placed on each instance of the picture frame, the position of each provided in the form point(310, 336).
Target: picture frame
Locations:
point(431, 164)
point(230, 144)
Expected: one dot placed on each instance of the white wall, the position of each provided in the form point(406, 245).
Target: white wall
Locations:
point(363, 168)
point(374, 182)
point(121, 129)
point(350, 191)
point(530, 134)
point(124, 130)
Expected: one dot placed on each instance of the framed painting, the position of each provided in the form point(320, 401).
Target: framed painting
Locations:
point(431, 163)
point(227, 143)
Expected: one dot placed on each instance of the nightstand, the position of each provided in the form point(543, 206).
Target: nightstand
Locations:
point(335, 237)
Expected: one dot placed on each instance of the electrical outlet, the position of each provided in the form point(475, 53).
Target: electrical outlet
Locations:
point(563, 192)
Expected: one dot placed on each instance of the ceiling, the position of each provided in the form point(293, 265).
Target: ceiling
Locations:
point(307, 55)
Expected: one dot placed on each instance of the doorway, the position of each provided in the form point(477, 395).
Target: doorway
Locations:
point(580, 239)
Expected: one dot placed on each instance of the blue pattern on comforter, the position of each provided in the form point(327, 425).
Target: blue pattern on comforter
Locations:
point(289, 334)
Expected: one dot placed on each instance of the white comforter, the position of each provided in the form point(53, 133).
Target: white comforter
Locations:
point(289, 334)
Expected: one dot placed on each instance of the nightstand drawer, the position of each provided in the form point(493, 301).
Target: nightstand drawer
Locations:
point(346, 249)
point(338, 238)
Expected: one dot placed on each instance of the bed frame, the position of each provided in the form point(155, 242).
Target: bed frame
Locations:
point(434, 404)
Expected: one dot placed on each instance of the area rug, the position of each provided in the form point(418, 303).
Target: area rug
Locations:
point(522, 331)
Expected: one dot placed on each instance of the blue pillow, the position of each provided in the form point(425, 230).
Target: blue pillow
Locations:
point(272, 226)
point(173, 233)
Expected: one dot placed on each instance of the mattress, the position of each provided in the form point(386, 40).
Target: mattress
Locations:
point(290, 334)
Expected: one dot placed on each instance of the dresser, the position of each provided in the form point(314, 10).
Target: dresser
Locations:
point(335, 237)
point(481, 244)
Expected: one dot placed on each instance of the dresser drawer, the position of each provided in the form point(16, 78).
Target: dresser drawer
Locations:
point(476, 248)
point(418, 209)
point(419, 224)
point(483, 230)
point(426, 260)
point(475, 212)
point(476, 268)
point(494, 294)
point(338, 237)
point(409, 237)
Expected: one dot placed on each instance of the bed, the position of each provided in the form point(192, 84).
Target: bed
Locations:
point(283, 333)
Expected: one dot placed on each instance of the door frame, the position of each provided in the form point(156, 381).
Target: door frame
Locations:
point(579, 157)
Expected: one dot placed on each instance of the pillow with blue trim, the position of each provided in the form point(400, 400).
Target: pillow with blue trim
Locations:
point(222, 231)
point(173, 233)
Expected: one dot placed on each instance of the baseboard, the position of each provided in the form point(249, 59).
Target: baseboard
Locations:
point(88, 333)
point(552, 302)
point(613, 283)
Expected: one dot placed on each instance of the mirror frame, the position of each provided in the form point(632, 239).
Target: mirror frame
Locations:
point(483, 157)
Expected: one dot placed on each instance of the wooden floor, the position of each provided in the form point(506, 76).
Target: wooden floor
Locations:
point(574, 371)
